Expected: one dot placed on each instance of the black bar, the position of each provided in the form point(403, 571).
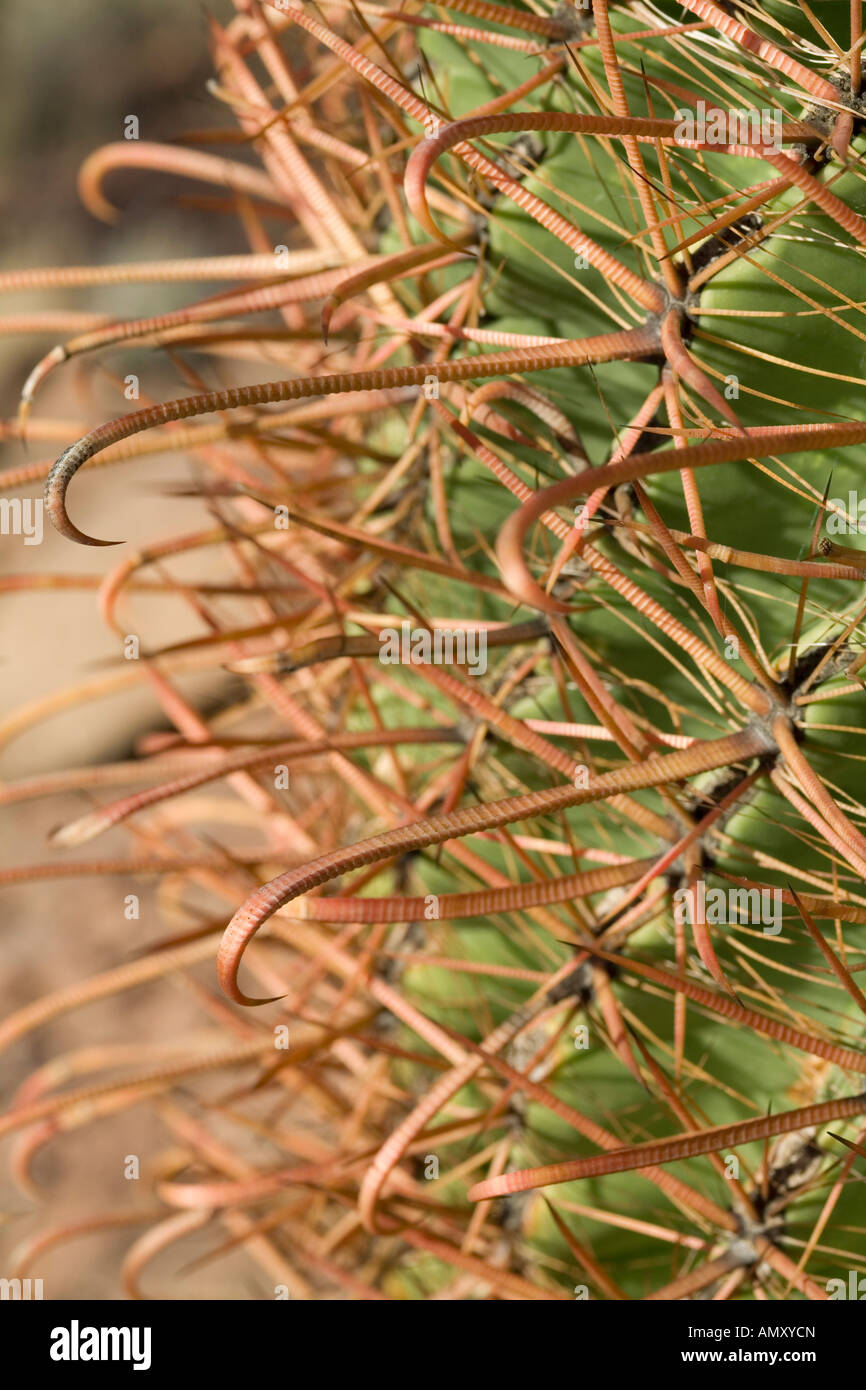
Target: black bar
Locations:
point(265, 1336)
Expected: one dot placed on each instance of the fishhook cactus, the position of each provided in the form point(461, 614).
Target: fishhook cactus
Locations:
point(542, 842)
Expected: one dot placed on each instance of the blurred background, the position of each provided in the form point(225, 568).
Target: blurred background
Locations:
point(70, 74)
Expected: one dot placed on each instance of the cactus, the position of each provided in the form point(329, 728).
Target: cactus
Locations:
point(542, 838)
